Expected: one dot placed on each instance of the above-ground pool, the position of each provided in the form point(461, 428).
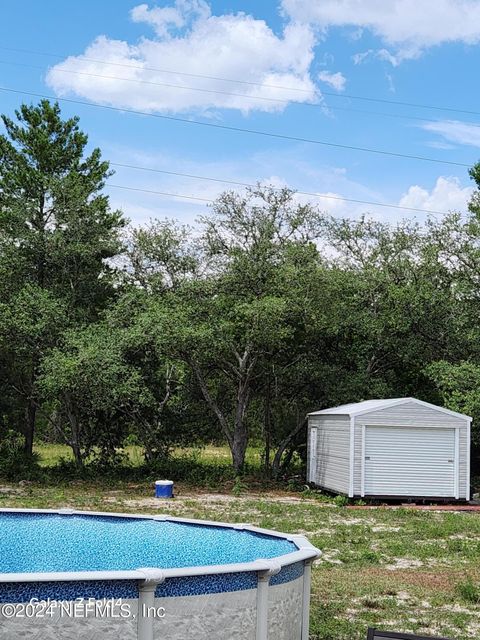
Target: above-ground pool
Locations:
point(70, 574)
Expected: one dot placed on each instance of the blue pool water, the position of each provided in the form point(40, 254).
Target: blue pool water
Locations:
point(50, 542)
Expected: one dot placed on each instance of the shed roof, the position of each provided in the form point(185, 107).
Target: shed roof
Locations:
point(367, 406)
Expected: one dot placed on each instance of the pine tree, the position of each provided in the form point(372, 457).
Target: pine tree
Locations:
point(57, 234)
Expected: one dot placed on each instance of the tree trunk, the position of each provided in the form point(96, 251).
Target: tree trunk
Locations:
point(267, 427)
point(239, 448)
point(77, 454)
point(30, 419)
point(211, 402)
point(237, 437)
point(31, 411)
point(240, 432)
point(277, 460)
point(75, 433)
point(285, 463)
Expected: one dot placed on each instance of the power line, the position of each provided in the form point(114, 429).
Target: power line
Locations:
point(257, 132)
point(251, 185)
point(172, 86)
point(237, 183)
point(247, 82)
point(210, 201)
point(159, 193)
point(323, 106)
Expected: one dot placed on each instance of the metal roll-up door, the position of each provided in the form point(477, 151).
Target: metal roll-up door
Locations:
point(409, 461)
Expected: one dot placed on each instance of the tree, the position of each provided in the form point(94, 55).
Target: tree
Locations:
point(398, 304)
point(108, 380)
point(30, 323)
point(88, 387)
point(226, 323)
point(161, 256)
point(459, 388)
point(456, 243)
point(157, 406)
point(57, 233)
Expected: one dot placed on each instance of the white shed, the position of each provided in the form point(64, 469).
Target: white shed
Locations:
point(392, 448)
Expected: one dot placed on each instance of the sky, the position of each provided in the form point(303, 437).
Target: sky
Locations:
point(397, 77)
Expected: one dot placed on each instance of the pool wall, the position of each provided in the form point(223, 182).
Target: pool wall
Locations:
point(260, 600)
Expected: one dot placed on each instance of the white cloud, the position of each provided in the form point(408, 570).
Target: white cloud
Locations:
point(391, 84)
point(438, 144)
point(189, 39)
point(456, 131)
point(360, 57)
point(334, 204)
point(408, 26)
point(446, 195)
point(335, 80)
point(394, 60)
point(165, 19)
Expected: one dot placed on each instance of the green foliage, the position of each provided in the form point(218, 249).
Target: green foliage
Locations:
point(15, 463)
point(57, 232)
point(108, 383)
point(231, 328)
point(57, 228)
point(239, 486)
point(87, 385)
point(469, 591)
point(459, 387)
point(193, 469)
point(341, 501)
point(161, 256)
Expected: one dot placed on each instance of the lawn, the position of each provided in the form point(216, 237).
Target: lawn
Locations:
point(51, 454)
point(401, 568)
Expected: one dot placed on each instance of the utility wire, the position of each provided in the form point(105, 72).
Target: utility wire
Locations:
point(159, 193)
point(210, 201)
point(223, 127)
point(323, 106)
point(246, 82)
point(251, 185)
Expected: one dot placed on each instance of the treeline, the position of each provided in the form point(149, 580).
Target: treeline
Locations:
point(231, 331)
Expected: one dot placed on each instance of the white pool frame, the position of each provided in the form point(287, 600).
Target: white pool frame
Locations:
point(149, 578)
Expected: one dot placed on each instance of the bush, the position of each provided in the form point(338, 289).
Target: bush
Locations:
point(189, 467)
point(15, 464)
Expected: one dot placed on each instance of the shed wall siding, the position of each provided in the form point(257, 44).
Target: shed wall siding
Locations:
point(404, 415)
point(464, 487)
point(333, 452)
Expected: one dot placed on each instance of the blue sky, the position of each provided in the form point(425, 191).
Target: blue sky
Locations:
point(298, 60)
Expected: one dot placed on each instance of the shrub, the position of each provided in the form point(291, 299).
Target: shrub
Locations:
point(15, 464)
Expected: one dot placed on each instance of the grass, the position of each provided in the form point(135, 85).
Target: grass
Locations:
point(52, 454)
point(400, 569)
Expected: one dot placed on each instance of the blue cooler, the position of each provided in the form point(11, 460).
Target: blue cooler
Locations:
point(164, 489)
